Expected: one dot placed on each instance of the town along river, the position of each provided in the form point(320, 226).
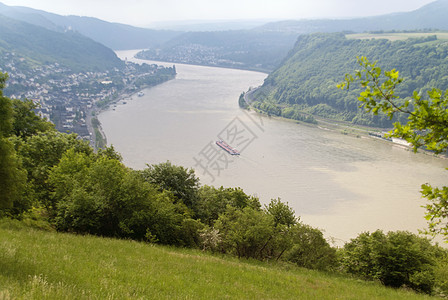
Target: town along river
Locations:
point(339, 183)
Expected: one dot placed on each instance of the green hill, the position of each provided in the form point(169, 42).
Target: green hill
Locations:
point(45, 265)
point(306, 81)
point(113, 35)
point(41, 46)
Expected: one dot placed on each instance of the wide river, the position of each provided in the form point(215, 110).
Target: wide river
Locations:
point(341, 184)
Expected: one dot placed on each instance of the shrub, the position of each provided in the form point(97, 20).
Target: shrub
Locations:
point(396, 259)
point(310, 249)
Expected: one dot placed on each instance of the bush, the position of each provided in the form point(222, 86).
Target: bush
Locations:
point(245, 232)
point(310, 249)
point(396, 259)
point(98, 195)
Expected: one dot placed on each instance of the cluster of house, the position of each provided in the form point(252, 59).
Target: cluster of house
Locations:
point(191, 54)
point(67, 98)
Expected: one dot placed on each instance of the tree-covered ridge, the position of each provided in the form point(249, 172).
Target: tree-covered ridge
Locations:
point(113, 35)
point(240, 49)
point(306, 81)
point(39, 46)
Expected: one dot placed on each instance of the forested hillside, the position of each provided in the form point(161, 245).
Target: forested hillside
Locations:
point(306, 81)
point(243, 49)
point(40, 46)
point(113, 35)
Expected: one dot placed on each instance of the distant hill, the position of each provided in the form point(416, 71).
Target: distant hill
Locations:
point(209, 25)
point(243, 49)
point(433, 15)
point(305, 83)
point(264, 47)
point(113, 35)
point(70, 49)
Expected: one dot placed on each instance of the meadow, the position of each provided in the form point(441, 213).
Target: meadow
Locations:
point(40, 264)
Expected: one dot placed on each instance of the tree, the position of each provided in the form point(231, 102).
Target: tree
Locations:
point(427, 125)
point(245, 232)
point(310, 249)
point(182, 182)
point(396, 259)
point(26, 122)
point(284, 223)
point(213, 202)
point(281, 212)
point(12, 177)
point(97, 194)
point(40, 153)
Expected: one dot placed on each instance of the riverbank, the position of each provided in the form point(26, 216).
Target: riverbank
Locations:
point(98, 136)
point(357, 131)
point(345, 128)
point(233, 67)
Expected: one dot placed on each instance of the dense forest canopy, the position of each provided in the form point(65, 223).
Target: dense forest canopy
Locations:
point(306, 81)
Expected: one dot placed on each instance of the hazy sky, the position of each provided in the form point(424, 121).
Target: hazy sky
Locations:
point(145, 12)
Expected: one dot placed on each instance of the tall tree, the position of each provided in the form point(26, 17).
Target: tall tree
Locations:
point(12, 178)
point(180, 181)
point(427, 125)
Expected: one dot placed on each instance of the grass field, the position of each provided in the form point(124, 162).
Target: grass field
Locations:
point(398, 36)
point(47, 265)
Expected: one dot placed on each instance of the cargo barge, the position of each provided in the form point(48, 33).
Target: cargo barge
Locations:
point(227, 148)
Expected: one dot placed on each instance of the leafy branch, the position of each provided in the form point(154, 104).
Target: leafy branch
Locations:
point(427, 126)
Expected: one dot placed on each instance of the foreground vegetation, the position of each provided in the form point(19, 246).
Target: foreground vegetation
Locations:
point(36, 264)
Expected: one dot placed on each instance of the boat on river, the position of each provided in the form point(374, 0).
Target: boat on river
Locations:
point(227, 147)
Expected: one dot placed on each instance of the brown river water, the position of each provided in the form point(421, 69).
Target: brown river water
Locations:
point(341, 184)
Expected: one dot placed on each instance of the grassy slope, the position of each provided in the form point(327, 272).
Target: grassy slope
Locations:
point(44, 265)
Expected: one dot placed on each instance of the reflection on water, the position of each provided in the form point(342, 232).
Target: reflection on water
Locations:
point(339, 183)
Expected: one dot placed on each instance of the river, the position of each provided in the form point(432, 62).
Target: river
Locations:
point(341, 184)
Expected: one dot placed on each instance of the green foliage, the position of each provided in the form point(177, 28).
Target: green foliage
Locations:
point(427, 125)
point(12, 177)
point(269, 234)
point(97, 194)
point(182, 182)
point(310, 249)
point(36, 264)
point(281, 212)
point(41, 152)
point(396, 259)
point(246, 232)
point(213, 202)
point(427, 118)
point(306, 79)
point(441, 275)
point(437, 209)
point(242, 102)
point(26, 122)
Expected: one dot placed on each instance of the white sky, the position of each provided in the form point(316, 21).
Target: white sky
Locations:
point(145, 12)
